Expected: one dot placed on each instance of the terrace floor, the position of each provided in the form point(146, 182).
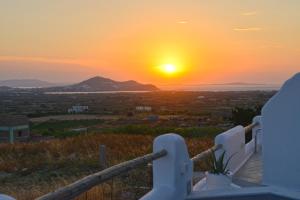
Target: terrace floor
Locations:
point(248, 177)
point(251, 173)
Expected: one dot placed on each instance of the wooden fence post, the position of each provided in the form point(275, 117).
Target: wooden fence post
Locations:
point(102, 157)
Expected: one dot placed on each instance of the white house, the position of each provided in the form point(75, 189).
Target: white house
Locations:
point(143, 108)
point(14, 128)
point(78, 109)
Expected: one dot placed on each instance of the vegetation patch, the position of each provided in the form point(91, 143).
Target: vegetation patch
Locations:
point(29, 170)
point(63, 128)
point(198, 132)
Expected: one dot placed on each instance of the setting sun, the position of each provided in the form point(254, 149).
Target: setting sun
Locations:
point(169, 68)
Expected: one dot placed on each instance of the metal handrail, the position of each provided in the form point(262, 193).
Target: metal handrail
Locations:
point(75, 189)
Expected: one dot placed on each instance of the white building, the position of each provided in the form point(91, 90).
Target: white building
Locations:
point(143, 108)
point(78, 109)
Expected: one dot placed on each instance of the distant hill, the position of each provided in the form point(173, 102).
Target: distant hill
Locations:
point(4, 88)
point(98, 83)
point(240, 83)
point(26, 83)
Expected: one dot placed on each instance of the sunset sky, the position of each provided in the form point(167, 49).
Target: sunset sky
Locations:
point(151, 41)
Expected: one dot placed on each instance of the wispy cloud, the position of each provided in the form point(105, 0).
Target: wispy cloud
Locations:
point(247, 29)
point(86, 63)
point(272, 46)
point(182, 22)
point(249, 13)
point(38, 59)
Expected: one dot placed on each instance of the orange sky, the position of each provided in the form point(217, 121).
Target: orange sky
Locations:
point(210, 41)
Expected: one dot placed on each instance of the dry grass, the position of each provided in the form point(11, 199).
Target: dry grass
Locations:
point(32, 169)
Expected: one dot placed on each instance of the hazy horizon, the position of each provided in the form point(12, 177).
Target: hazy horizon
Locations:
point(208, 42)
point(163, 84)
point(230, 86)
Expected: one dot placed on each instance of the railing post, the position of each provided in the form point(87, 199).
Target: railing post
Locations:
point(11, 135)
point(102, 157)
point(255, 132)
point(172, 174)
point(255, 143)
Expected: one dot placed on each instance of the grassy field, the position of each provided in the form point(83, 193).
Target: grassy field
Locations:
point(63, 128)
point(28, 170)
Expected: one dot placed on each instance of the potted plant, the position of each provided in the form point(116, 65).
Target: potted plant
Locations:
point(218, 176)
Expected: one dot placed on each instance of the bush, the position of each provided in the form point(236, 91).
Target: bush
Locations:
point(244, 116)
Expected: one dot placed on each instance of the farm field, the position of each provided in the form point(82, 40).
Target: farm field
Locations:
point(67, 128)
point(65, 147)
point(29, 170)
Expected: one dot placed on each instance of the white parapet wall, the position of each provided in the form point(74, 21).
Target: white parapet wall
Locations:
point(257, 131)
point(281, 136)
point(233, 143)
point(5, 197)
point(172, 174)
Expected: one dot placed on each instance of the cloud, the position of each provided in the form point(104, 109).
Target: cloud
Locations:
point(272, 46)
point(53, 70)
point(182, 22)
point(249, 13)
point(38, 59)
point(247, 29)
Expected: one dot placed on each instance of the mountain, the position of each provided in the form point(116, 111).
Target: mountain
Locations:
point(98, 83)
point(26, 83)
point(4, 88)
point(240, 83)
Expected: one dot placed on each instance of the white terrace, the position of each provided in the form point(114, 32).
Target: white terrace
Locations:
point(267, 167)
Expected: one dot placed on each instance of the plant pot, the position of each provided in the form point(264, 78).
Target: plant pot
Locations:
point(217, 181)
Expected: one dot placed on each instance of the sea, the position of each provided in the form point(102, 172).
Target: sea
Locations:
point(223, 87)
point(204, 87)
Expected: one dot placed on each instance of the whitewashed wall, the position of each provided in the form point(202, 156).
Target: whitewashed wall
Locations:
point(233, 142)
point(281, 136)
point(5, 197)
point(172, 174)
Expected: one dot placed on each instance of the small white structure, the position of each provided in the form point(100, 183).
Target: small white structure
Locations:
point(78, 109)
point(143, 108)
point(14, 128)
